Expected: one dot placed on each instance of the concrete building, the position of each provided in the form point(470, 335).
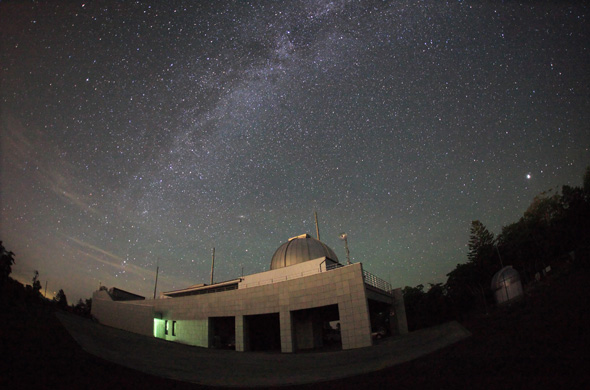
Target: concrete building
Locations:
point(306, 300)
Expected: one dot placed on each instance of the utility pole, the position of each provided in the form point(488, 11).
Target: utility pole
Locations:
point(500, 257)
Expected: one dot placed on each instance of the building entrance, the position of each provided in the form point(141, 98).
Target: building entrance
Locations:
point(264, 332)
point(223, 332)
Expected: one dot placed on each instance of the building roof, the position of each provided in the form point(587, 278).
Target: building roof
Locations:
point(203, 288)
point(121, 295)
point(300, 249)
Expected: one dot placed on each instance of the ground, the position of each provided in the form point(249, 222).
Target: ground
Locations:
point(539, 342)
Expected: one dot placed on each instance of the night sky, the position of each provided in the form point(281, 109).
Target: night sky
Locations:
point(144, 133)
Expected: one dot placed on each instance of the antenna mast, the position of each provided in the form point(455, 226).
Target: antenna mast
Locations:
point(344, 237)
point(212, 264)
point(156, 283)
point(317, 226)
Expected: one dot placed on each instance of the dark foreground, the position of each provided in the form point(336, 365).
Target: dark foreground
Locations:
point(217, 367)
point(541, 342)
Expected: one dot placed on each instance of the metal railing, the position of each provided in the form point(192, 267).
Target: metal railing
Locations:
point(368, 278)
point(333, 266)
point(376, 282)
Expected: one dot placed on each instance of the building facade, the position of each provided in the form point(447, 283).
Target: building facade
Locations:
point(307, 300)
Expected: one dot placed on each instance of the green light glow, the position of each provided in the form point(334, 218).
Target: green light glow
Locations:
point(158, 326)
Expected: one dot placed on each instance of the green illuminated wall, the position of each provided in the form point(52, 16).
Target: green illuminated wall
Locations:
point(192, 332)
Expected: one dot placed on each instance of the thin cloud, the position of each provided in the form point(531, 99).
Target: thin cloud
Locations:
point(111, 259)
point(21, 146)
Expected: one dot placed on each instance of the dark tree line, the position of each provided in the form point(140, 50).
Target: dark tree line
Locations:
point(6, 262)
point(554, 232)
point(13, 292)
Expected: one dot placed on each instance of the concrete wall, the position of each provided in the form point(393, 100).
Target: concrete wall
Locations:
point(191, 332)
point(132, 316)
point(342, 286)
point(287, 273)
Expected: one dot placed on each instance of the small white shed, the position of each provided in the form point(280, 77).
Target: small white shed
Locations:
point(506, 284)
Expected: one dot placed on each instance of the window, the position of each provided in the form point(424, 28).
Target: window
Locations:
point(166, 327)
point(173, 328)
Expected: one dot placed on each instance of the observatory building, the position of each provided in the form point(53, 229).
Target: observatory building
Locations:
point(307, 300)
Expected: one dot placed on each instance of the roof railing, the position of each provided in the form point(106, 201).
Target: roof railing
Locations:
point(376, 282)
point(331, 266)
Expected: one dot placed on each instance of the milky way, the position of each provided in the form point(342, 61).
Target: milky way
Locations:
point(143, 134)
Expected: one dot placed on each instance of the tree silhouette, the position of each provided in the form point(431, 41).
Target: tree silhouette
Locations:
point(36, 284)
point(554, 231)
point(466, 289)
point(481, 245)
point(469, 284)
point(6, 262)
point(61, 299)
point(586, 185)
point(426, 308)
point(83, 308)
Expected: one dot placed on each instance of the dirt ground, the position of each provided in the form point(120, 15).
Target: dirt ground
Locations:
point(540, 342)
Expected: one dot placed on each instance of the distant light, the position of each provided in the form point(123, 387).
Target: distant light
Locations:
point(528, 176)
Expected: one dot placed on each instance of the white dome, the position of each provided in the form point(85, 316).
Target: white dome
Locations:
point(300, 249)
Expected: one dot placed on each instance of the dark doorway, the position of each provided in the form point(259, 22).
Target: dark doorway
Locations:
point(264, 332)
point(380, 313)
point(224, 332)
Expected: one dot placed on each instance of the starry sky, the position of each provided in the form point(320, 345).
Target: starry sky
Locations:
point(137, 134)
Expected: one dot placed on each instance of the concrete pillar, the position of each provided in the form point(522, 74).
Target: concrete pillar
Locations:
point(242, 334)
point(353, 308)
point(303, 331)
point(399, 308)
point(286, 321)
point(355, 324)
point(210, 331)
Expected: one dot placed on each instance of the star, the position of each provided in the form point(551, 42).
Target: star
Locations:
point(226, 126)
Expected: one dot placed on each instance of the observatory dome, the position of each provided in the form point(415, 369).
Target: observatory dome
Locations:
point(300, 249)
point(504, 277)
point(506, 284)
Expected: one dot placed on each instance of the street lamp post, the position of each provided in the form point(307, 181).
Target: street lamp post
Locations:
point(344, 237)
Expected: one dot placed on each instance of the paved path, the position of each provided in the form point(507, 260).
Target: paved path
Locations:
point(251, 369)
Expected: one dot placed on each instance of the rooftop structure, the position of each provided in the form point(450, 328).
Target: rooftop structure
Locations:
point(301, 249)
point(121, 295)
